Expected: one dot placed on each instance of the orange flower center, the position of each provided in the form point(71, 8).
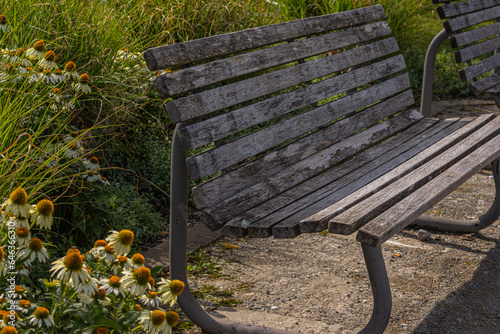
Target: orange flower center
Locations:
point(49, 56)
point(126, 237)
point(94, 160)
point(100, 243)
point(22, 232)
point(3, 19)
point(158, 317)
point(109, 250)
point(19, 289)
point(73, 250)
point(70, 66)
point(84, 78)
point(9, 330)
point(172, 318)
point(114, 281)
point(73, 261)
point(138, 259)
point(122, 259)
point(152, 294)
point(2, 254)
point(45, 207)
point(41, 312)
point(35, 245)
point(142, 275)
point(39, 46)
point(100, 330)
point(19, 196)
point(101, 294)
point(24, 303)
point(176, 287)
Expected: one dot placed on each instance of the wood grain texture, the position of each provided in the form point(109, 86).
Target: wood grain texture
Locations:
point(461, 22)
point(476, 50)
point(484, 84)
point(358, 215)
point(228, 184)
point(218, 127)
point(493, 92)
point(472, 36)
point(216, 216)
point(216, 46)
point(465, 7)
point(215, 99)
point(216, 159)
point(229, 68)
point(482, 67)
point(407, 210)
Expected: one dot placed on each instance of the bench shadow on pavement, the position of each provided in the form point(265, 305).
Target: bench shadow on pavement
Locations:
point(472, 308)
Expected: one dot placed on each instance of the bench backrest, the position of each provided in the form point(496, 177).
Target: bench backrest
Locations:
point(474, 28)
point(265, 109)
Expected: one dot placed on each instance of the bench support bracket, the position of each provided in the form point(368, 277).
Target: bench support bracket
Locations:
point(467, 226)
point(178, 246)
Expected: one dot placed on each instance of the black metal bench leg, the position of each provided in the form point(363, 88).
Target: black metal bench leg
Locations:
point(382, 300)
point(467, 226)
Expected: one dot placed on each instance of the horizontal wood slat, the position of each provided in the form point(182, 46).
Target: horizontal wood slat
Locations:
point(215, 46)
point(493, 92)
point(206, 102)
point(216, 216)
point(407, 210)
point(484, 84)
point(361, 213)
point(459, 8)
point(461, 22)
point(472, 36)
point(218, 127)
point(234, 181)
point(214, 160)
point(476, 50)
point(482, 67)
point(260, 228)
point(206, 74)
point(358, 178)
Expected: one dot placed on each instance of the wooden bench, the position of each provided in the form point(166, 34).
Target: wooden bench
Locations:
point(473, 29)
point(305, 126)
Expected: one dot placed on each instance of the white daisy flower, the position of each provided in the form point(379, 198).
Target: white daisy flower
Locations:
point(98, 296)
point(42, 214)
point(83, 84)
point(105, 181)
point(71, 267)
point(36, 52)
point(92, 163)
point(41, 318)
point(70, 71)
point(151, 299)
point(17, 204)
point(24, 306)
point(89, 287)
point(98, 247)
point(92, 176)
point(34, 250)
point(48, 61)
point(23, 236)
point(137, 281)
point(169, 290)
point(158, 321)
point(136, 261)
point(7, 320)
point(72, 151)
point(4, 27)
point(113, 285)
point(121, 241)
point(20, 292)
point(108, 253)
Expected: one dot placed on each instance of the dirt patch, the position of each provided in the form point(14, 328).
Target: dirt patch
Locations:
point(447, 284)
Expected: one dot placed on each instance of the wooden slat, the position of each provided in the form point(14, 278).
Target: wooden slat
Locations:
point(472, 36)
point(361, 213)
point(206, 74)
point(358, 177)
point(484, 84)
point(215, 99)
point(482, 67)
point(493, 92)
point(215, 46)
point(406, 211)
point(218, 127)
point(228, 184)
point(465, 7)
point(245, 147)
point(294, 204)
point(348, 201)
point(476, 50)
point(216, 216)
point(470, 20)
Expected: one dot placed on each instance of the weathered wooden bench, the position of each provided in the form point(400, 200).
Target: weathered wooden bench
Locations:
point(473, 28)
point(306, 126)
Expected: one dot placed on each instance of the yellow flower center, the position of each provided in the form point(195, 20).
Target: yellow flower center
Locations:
point(3, 19)
point(176, 287)
point(3, 300)
point(152, 282)
point(56, 91)
point(49, 56)
point(100, 243)
point(122, 259)
point(101, 294)
point(24, 303)
point(45, 207)
point(73, 250)
point(39, 46)
point(19, 289)
point(19, 196)
point(158, 317)
point(94, 160)
point(73, 261)
point(84, 78)
point(138, 307)
point(172, 318)
point(114, 281)
point(22, 232)
point(9, 330)
point(126, 237)
point(109, 250)
point(35, 245)
point(41, 312)
point(100, 330)
point(142, 275)
point(70, 66)
point(152, 294)
point(19, 52)
point(138, 259)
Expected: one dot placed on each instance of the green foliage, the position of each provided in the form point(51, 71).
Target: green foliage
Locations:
point(199, 263)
